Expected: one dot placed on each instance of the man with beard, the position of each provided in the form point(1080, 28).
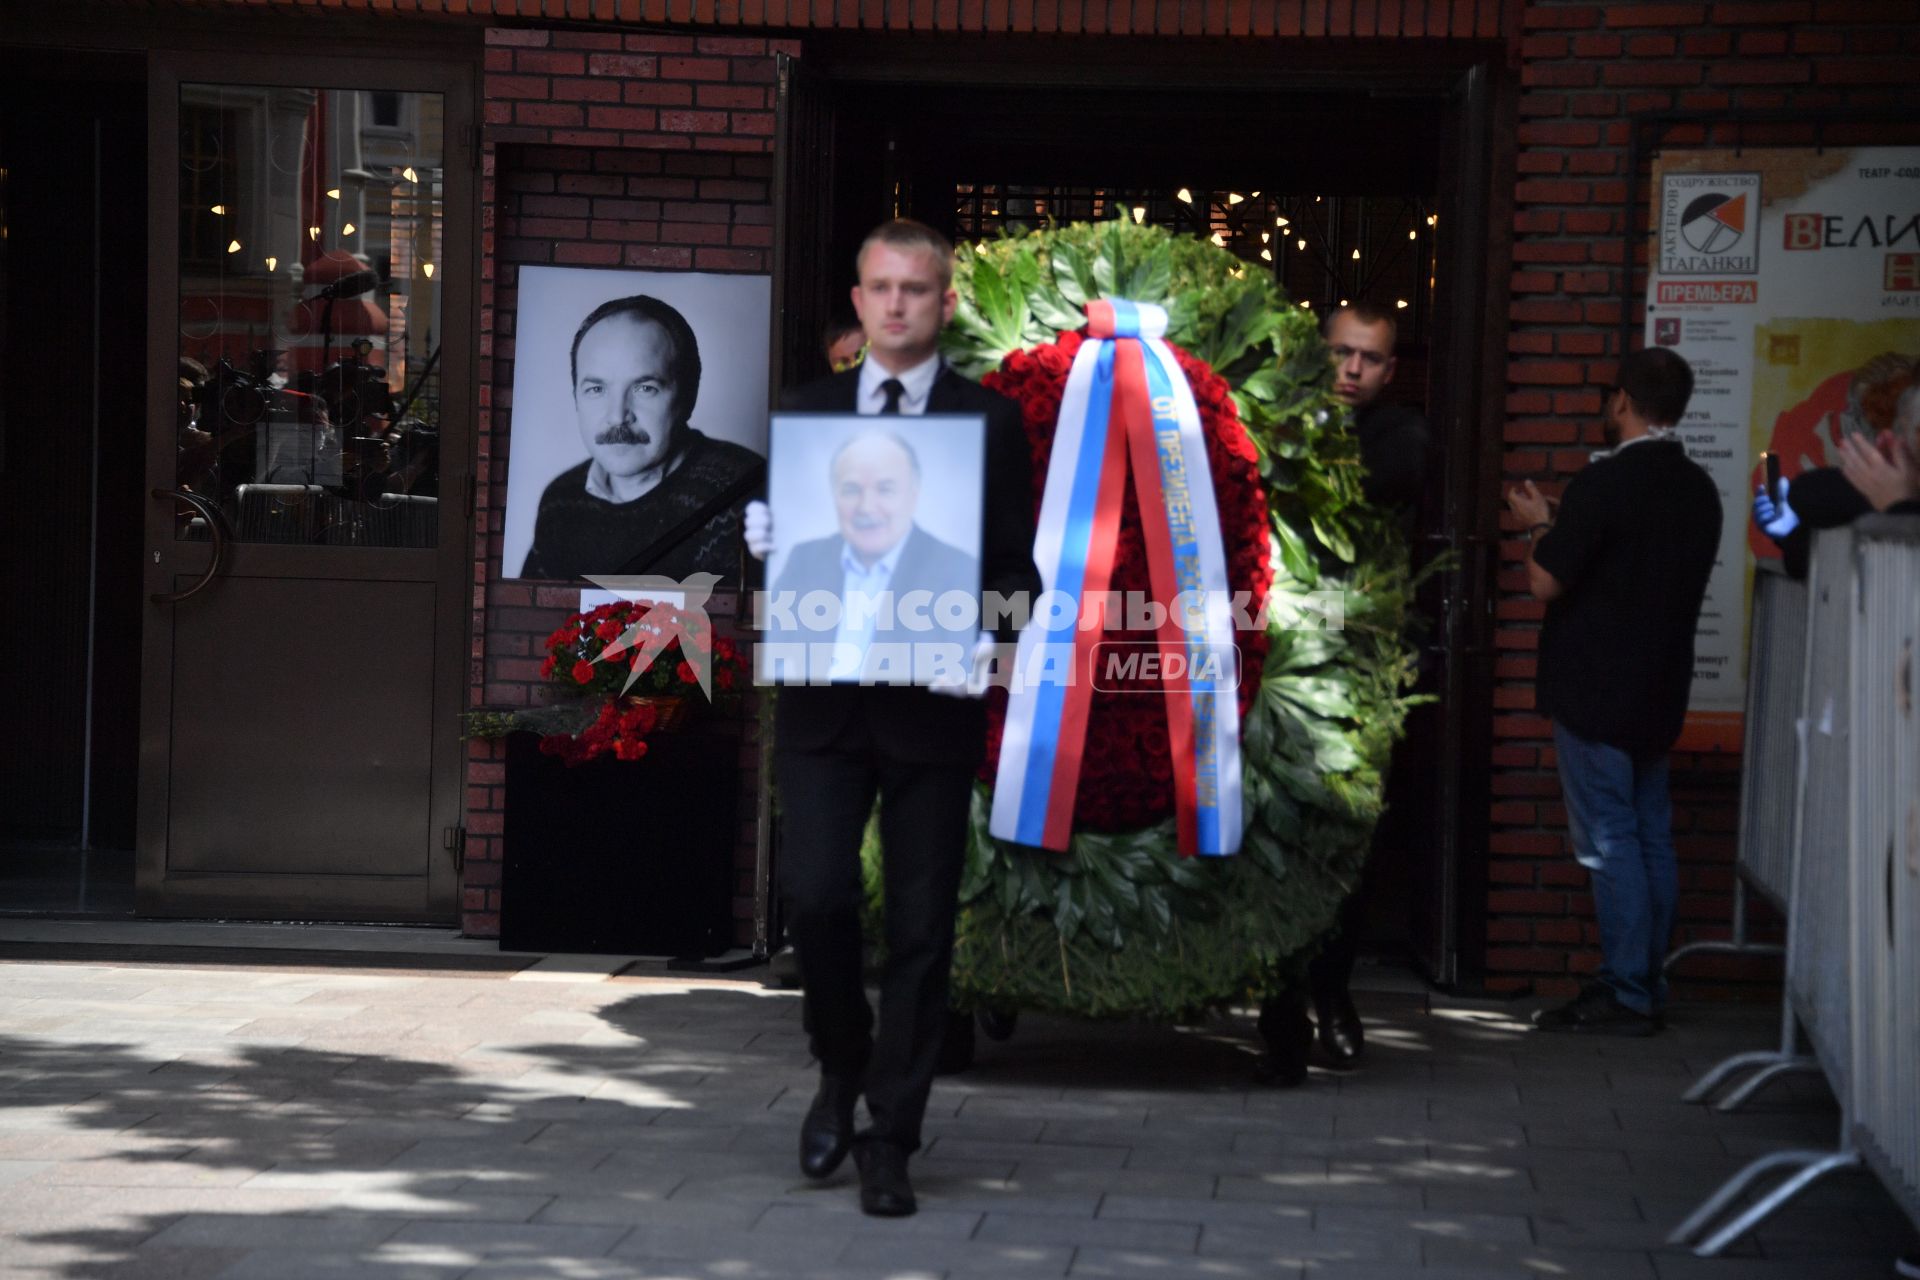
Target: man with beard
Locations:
point(636, 376)
point(1622, 569)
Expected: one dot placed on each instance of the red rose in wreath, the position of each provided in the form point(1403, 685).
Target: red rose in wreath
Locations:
point(1126, 779)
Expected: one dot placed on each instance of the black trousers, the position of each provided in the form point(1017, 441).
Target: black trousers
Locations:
point(825, 799)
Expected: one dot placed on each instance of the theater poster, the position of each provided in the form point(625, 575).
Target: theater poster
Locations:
point(1790, 280)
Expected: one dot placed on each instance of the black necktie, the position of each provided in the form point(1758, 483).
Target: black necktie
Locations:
point(892, 389)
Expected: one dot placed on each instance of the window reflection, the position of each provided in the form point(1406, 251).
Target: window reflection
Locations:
point(310, 239)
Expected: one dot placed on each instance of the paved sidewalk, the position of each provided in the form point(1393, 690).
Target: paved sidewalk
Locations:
point(266, 1117)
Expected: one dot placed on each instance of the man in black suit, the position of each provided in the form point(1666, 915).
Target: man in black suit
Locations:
point(838, 746)
point(880, 568)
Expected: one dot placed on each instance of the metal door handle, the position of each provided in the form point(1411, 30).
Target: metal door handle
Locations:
point(216, 527)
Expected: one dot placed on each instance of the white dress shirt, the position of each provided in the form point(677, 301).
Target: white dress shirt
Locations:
point(918, 382)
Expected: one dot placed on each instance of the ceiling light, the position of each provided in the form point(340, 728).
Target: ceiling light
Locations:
point(1266, 237)
point(333, 193)
point(1299, 244)
point(1401, 303)
point(409, 174)
point(427, 268)
point(1219, 239)
point(1356, 252)
point(1266, 255)
point(1184, 196)
point(313, 233)
point(1234, 197)
point(1139, 213)
point(1433, 219)
point(1413, 235)
point(1306, 306)
point(273, 264)
point(219, 208)
point(349, 229)
point(234, 247)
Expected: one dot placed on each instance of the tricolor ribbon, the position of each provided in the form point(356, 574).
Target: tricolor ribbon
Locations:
point(1126, 401)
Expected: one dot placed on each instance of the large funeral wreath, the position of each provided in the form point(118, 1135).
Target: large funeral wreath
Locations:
point(1121, 925)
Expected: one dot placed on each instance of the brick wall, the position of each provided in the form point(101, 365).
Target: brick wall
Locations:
point(605, 149)
point(1335, 19)
point(1585, 69)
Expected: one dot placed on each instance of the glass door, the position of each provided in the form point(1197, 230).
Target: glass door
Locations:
point(313, 387)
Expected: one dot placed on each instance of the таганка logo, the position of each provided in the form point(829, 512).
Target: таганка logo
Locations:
point(1714, 223)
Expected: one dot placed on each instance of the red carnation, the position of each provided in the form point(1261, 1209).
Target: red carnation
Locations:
point(582, 671)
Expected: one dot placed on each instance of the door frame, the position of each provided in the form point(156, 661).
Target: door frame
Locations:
point(302, 895)
point(1474, 82)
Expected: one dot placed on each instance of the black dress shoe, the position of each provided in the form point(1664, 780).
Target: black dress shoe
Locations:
point(1341, 1036)
point(885, 1191)
point(827, 1132)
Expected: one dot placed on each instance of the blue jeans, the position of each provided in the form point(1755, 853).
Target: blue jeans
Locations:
point(1621, 821)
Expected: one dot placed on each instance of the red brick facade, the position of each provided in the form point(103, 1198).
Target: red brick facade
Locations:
point(600, 149)
point(1586, 70)
point(649, 149)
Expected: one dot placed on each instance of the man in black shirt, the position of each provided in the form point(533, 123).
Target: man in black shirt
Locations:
point(1623, 569)
point(1393, 437)
point(1393, 454)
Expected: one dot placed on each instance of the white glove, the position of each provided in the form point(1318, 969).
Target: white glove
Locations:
point(979, 672)
point(758, 530)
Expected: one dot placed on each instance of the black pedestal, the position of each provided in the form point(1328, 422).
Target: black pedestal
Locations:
point(623, 857)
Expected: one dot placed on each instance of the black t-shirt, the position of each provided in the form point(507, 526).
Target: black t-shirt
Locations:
point(1633, 544)
point(1393, 449)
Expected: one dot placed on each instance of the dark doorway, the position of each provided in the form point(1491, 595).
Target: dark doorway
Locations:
point(1365, 178)
point(73, 267)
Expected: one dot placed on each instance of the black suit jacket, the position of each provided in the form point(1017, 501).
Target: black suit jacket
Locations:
point(908, 723)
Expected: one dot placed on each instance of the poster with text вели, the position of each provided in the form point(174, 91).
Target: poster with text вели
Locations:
point(1790, 281)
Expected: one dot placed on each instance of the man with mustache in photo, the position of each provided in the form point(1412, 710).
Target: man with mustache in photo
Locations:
point(636, 376)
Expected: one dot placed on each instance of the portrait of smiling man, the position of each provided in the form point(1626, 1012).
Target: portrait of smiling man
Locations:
point(635, 374)
point(880, 559)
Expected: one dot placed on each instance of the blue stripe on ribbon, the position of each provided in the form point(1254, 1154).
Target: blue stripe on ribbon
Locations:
point(1126, 318)
point(1049, 706)
point(1185, 539)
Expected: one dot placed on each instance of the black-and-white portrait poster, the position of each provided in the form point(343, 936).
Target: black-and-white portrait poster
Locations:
point(875, 571)
point(639, 403)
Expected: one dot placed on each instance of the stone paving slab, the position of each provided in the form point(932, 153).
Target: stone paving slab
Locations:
point(232, 1121)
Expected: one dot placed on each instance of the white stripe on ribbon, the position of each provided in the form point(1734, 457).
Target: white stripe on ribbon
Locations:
point(1044, 653)
point(1219, 633)
point(1050, 534)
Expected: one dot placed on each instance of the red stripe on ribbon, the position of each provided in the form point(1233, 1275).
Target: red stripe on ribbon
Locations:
point(1103, 542)
point(1132, 406)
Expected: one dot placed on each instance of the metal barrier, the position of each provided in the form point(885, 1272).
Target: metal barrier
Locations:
point(1886, 855)
point(1853, 932)
point(1776, 681)
point(1820, 914)
point(1769, 806)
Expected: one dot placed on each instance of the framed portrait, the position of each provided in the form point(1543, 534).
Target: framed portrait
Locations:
point(874, 576)
point(639, 421)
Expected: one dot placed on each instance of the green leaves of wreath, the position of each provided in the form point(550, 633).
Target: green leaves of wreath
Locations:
point(1121, 925)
